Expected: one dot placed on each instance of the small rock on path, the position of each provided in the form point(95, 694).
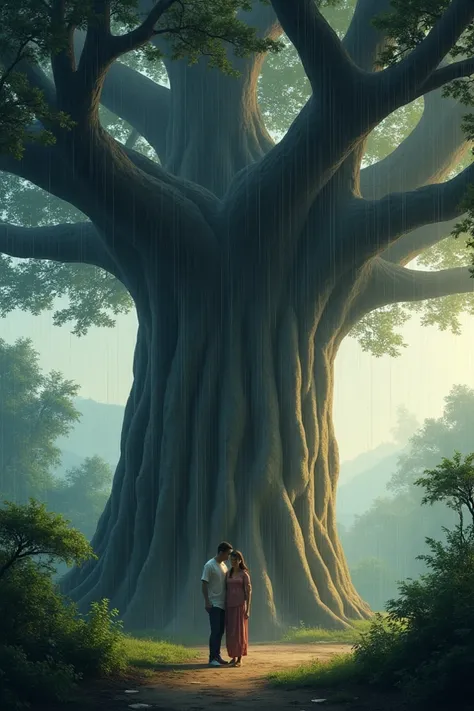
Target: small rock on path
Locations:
point(194, 686)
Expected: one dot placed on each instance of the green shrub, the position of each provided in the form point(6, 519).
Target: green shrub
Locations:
point(425, 645)
point(45, 645)
point(94, 644)
point(23, 681)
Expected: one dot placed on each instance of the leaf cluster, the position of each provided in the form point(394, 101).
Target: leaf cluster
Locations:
point(46, 646)
point(35, 409)
point(426, 644)
point(30, 530)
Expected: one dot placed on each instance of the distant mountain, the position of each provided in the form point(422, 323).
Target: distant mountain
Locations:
point(356, 495)
point(365, 461)
point(96, 433)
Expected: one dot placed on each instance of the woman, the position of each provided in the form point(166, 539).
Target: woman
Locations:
point(238, 598)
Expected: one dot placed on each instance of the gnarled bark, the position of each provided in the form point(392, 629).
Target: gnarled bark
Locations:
point(223, 444)
point(245, 281)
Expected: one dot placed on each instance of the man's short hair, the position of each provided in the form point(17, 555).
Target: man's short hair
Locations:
point(224, 547)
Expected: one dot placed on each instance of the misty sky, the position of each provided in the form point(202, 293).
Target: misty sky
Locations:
point(368, 390)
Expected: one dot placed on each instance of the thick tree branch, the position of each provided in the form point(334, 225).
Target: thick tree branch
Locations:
point(36, 78)
point(326, 62)
point(143, 103)
point(40, 165)
point(442, 76)
point(284, 184)
point(408, 247)
point(135, 98)
point(404, 80)
point(144, 32)
point(383, 221)
point(207, 202)
point(363, 42)
point(62, 62)
point(415, 162)
point(392, 284)
point(77, 243)
point(388, 284)
point(263, 19)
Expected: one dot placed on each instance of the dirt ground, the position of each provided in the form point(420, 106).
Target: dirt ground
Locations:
point(196, 687)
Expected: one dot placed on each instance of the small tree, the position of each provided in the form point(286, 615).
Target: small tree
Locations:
point(31, 530)
point(45, 645)
point(35, 409)
point(451, 482)
point(427, 644)
point(83, 494)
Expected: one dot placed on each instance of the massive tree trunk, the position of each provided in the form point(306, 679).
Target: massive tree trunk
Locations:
point(245, 282)
point(224, 437)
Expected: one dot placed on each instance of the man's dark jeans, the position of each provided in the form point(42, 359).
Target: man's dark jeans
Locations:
point(217, 621)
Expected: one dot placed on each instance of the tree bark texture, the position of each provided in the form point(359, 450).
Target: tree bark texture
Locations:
point(222, 439)
point(248, 264)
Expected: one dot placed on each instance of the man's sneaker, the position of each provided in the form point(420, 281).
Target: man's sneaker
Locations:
point(215, 663)
point(222, 661)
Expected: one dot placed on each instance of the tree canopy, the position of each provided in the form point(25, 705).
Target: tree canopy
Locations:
point(89, 296)
point(35, 409)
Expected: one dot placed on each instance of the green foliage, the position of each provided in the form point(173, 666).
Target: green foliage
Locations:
point(93, 294)
point(451, 482)
point(466, 225)
point(35, 409)
point(341, 669)
point(408, 23)
point(426, 644)
point(46, 647)
point(317, 635)
point(26, 36)
point(198, 28)
point(377, 334)
point(82, 495)
point(24, 682)
point(30, 530)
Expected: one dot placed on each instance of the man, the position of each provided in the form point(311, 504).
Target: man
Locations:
point(213, 589)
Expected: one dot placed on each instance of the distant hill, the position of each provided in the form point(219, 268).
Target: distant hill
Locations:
point(97, 432)
point(356, 495)
point(365, 461)
point(361, 481)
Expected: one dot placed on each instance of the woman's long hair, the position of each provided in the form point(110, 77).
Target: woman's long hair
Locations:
point(242, 564)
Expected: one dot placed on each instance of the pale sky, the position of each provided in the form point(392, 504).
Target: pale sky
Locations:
point(367, 393)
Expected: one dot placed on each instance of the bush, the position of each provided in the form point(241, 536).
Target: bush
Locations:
point(93, 644)
point(45, 645)
point(23, 681)
point(425, 645)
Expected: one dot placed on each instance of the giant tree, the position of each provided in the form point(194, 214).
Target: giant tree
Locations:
point(248, 262)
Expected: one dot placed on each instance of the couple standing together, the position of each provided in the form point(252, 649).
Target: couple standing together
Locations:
point(227, 595)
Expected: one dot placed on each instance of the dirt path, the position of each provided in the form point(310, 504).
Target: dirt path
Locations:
point(196, 687)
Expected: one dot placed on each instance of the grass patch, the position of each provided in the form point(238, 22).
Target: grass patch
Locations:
point(146, 653)
point(341, 669)
point(313, 635)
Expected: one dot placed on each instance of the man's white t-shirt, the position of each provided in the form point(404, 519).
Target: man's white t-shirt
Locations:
point(214, 575)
